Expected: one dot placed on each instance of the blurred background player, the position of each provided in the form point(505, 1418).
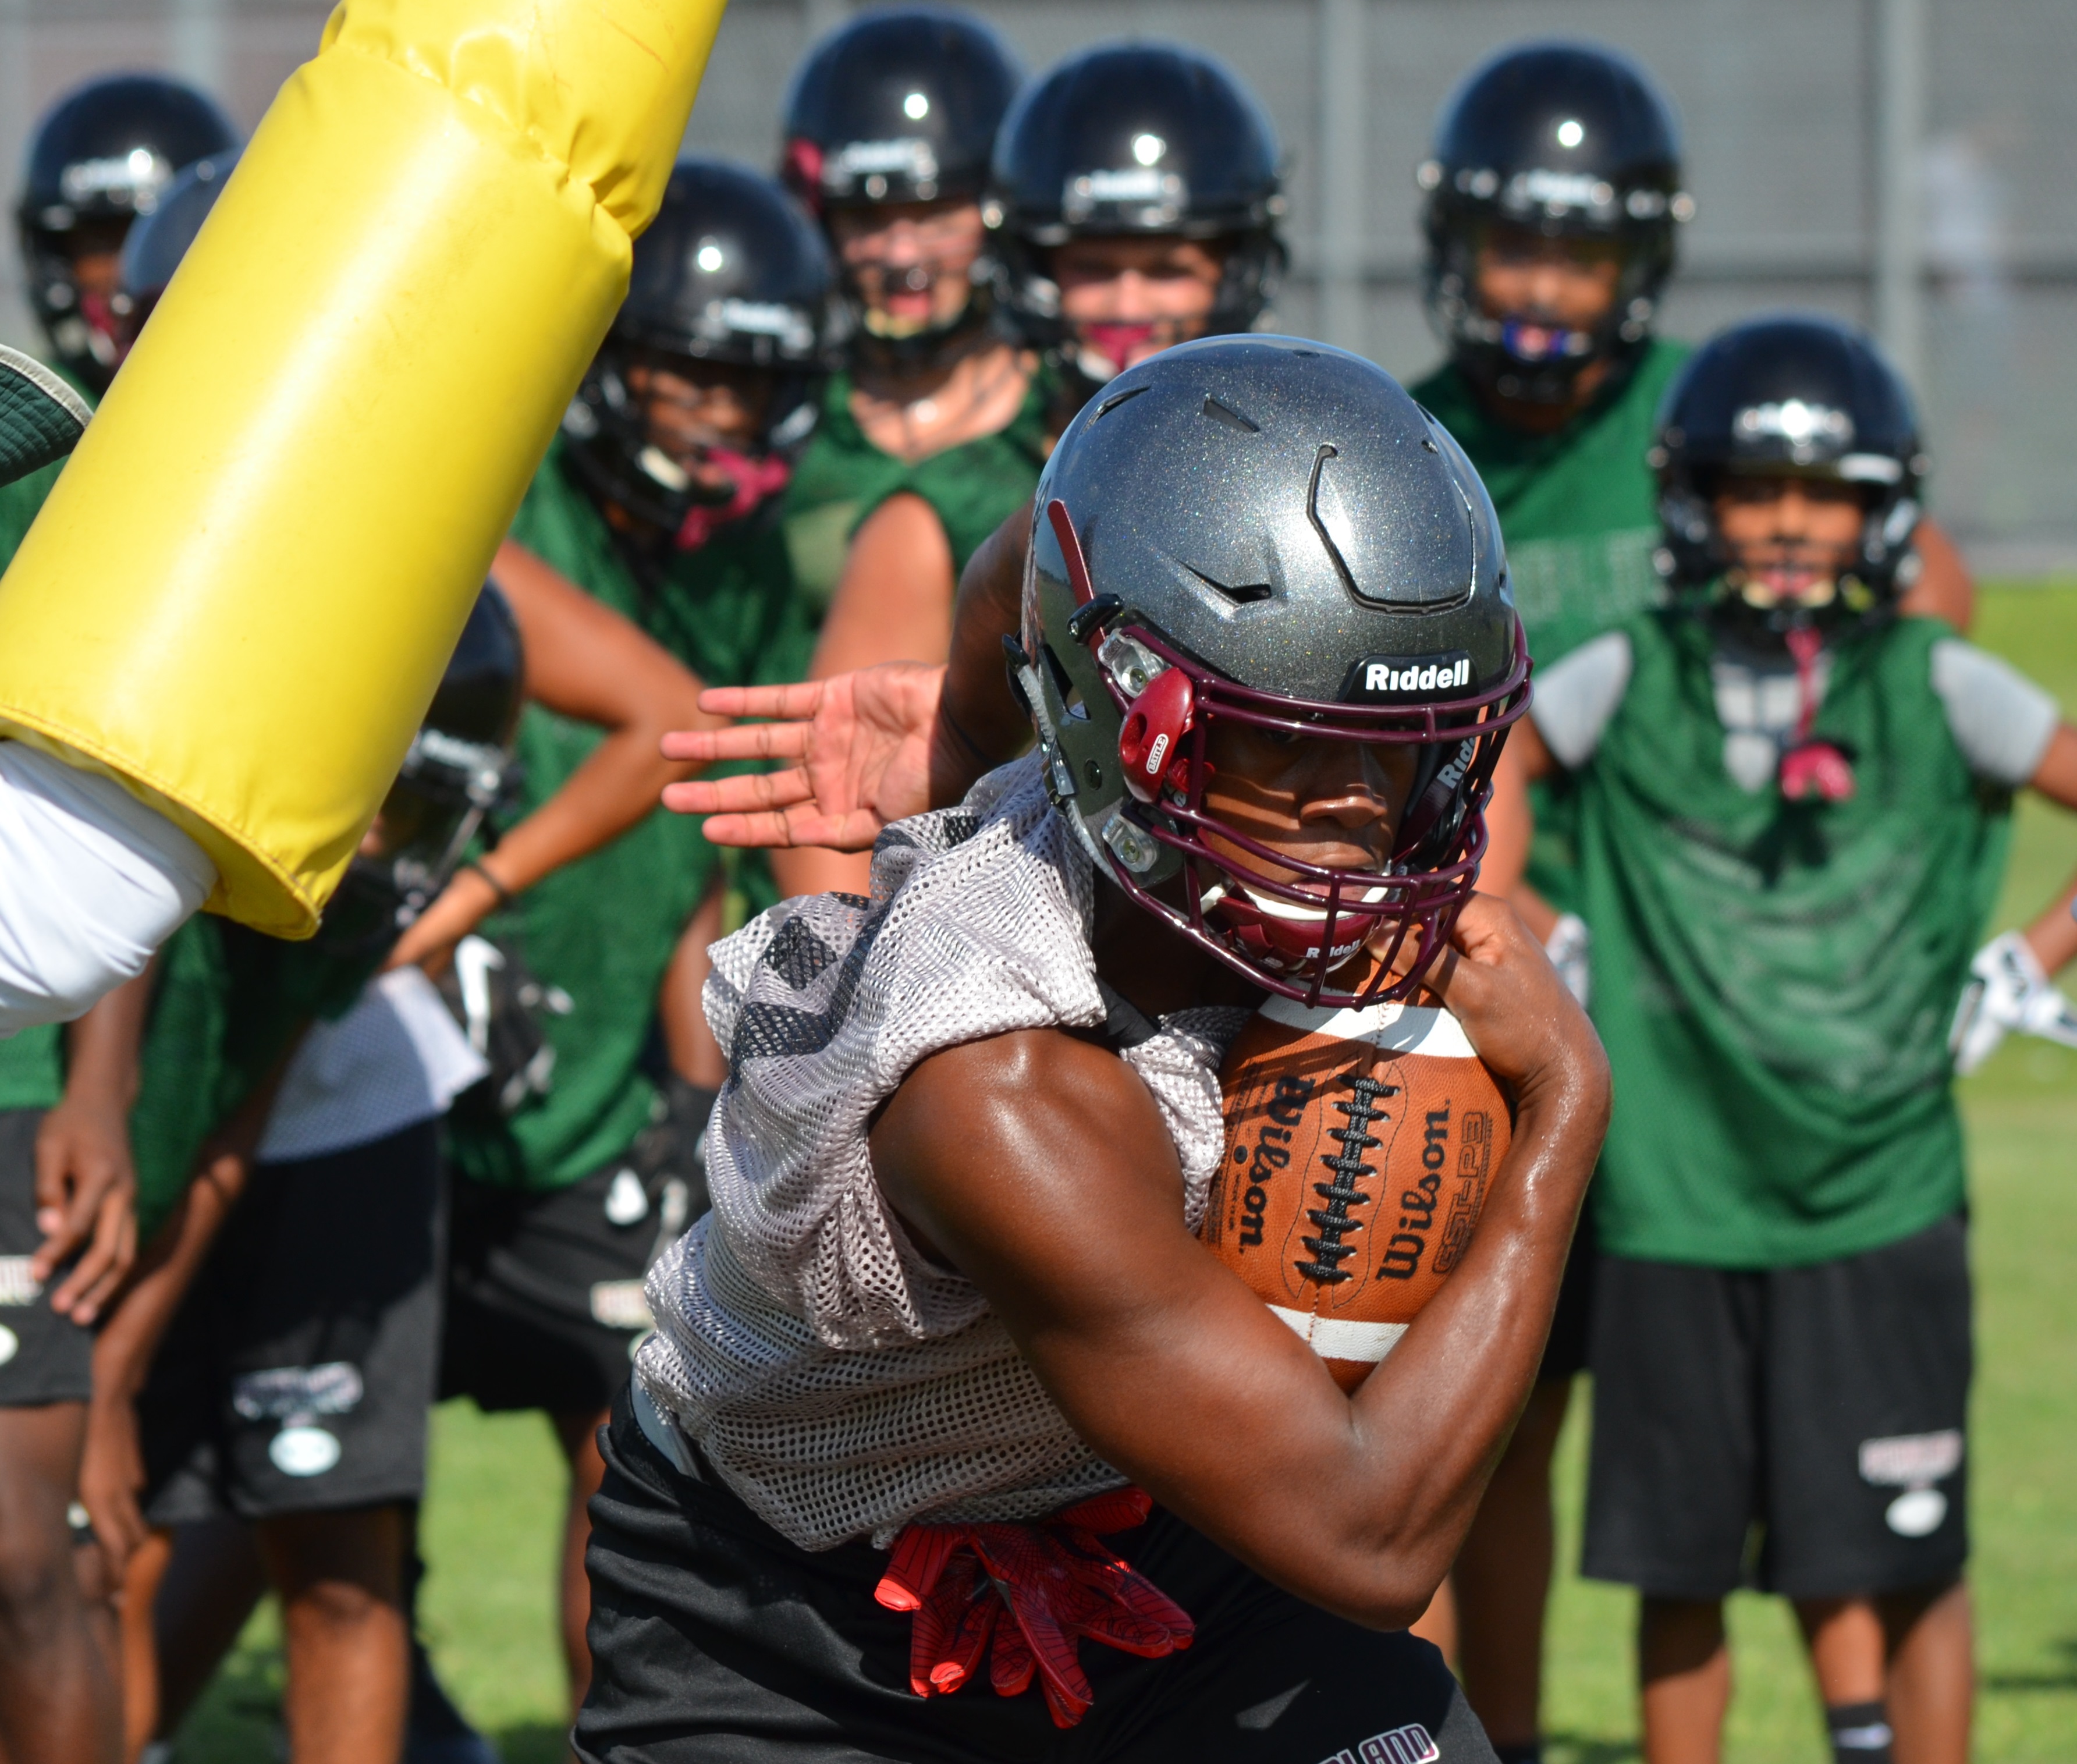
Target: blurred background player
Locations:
point(935, 427)
point(660, 499)
point(1555, 195)
point(1135, 194)
point(684, 437)
point(1792, 807)
point(68, 1234)
point(103, 156)
point(100, 158)
point(301, 1246)
point(280, 1347)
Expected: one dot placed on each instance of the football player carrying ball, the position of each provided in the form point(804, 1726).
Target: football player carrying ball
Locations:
point(949, 1302)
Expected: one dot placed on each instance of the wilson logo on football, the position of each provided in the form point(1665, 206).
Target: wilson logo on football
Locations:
point(1359, 1147)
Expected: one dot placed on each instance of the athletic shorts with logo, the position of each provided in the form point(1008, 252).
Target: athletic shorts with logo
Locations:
point(299, 1372)
point(44, 1357)
point(544, 1289)
point(713, 1637)
point(1802, 1430)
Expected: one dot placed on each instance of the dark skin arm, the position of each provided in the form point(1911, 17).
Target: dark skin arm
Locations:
point(86, 1182)
point(1510, 825)
point(1174, 1371)
point(584, 661)
point(1944, 588)
point(112, 1474)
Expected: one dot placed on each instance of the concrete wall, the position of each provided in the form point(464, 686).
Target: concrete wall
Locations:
point(1964, 252)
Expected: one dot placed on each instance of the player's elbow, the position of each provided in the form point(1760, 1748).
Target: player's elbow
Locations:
point(1391, 1593)
point(1380, 1581)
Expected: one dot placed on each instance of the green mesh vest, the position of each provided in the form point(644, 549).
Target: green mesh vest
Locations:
point(602, 928)
point(226, 1004)
point(843, 477)
point(1774, 981)
point(1578, 511)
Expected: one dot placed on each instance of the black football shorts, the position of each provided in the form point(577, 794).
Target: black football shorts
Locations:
point(544, 1292)
point(1801, 1430)
point(44, 1357)
point(298, 1374)
point(714, 1640)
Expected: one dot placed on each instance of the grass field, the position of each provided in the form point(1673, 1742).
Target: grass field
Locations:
point(490, 1516)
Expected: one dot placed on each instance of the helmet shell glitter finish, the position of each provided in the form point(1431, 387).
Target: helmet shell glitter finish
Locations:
point(1569, 140)
point(1277, 521)
point(1792, 394)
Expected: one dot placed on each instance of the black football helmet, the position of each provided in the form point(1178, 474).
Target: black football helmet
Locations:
point(105, 154)
point(1794, 395)
point(1572, 141)
point(731, 270)
point(156, 244)
point(458, 769)
point(901, 106)
point(1136, 138)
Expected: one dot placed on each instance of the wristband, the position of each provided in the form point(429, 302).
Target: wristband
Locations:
point(504, 895)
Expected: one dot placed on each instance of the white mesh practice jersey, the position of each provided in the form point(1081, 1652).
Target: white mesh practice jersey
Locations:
point(838, 1381)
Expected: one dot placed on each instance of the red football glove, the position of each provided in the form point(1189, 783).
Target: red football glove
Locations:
point(1057, 1581)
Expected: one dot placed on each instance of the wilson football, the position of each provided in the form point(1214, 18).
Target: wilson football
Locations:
point(1359, 1147)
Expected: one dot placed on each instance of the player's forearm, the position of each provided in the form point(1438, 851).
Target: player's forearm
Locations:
point(100, 1065)
point(2053, 936)
point(980, 725)
point(1433, 1420)
point(167, 1267)
point(619, 783)
point(123, 1352)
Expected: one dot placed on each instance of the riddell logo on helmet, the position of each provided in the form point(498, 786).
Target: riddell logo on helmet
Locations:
point(1396, 679)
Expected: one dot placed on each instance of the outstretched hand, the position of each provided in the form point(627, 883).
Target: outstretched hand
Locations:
point(862, 742)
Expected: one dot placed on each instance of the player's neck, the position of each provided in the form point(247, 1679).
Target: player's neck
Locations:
point(1157, 968)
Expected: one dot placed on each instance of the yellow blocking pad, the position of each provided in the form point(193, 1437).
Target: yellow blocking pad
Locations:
point(242, 591)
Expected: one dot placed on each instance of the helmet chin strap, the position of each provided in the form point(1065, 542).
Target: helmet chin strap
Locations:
point(1811, 768)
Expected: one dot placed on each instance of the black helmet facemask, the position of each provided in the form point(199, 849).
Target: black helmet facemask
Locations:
point(896, 107)
point(1564, 141)
point(733, 277)
point(1785, 397)
point(102, 158)
point(1135, 140)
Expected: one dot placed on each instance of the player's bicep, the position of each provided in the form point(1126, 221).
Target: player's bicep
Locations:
point(1041, 1168)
